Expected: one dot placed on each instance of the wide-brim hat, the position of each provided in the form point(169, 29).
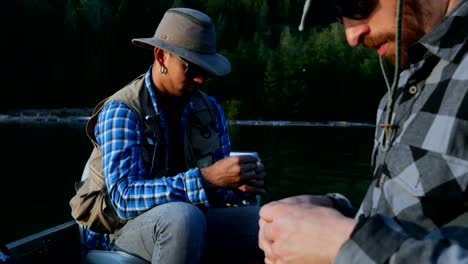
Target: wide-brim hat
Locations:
point(191, 35)
point(322, 12)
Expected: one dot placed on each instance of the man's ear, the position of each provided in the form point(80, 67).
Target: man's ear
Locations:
point(159, 55)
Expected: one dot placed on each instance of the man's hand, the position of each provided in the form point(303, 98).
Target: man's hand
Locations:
point(245, 172)
point(302, 229)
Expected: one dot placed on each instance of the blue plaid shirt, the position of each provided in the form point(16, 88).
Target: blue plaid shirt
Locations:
point(119, 134)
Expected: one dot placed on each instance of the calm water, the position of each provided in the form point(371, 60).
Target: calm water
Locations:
point(43, 159)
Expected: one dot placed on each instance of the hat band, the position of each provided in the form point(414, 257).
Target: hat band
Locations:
point(204, 48)
point(185, 31)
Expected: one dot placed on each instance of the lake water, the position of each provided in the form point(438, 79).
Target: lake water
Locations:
point(43, 159)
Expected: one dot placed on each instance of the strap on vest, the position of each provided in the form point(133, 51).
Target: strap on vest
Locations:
point(151, 122)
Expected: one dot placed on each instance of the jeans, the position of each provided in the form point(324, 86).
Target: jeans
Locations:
point(180, 232)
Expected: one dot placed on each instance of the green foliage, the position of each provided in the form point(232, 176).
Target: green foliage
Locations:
point(277, 71)
point(231, 108)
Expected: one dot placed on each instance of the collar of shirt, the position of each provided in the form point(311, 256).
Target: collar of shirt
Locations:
point(151, 88)
point(447, 40)
point(152, 91)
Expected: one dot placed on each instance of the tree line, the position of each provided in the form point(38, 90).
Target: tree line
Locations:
point(73, 53)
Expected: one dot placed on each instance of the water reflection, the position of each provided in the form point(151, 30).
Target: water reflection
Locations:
point(311, 159)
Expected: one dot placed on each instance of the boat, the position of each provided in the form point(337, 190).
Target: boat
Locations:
point(64, 244)
point(60, 244)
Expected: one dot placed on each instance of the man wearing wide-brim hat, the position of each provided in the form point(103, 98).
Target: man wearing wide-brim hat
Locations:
point(163, 149)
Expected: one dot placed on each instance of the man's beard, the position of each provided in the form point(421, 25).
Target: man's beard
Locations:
point(412, 31)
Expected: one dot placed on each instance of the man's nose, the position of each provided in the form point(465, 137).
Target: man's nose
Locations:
point(355, 31)
point(199, 79)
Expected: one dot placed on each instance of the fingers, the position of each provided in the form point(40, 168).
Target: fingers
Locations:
point(252, 171)
point(250, 165)
point(246, 168)
point(247, 159)
point(256, 184)
point(236, 171)
point(260, 168)
point(250, 188)
point(264, 242)
point(272, 210)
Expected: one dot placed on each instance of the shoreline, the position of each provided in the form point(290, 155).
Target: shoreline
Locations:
point(60, 112)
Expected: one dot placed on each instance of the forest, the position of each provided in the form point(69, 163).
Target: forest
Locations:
point(63, 54)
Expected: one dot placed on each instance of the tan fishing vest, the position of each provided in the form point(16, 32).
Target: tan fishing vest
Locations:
point(91, 205)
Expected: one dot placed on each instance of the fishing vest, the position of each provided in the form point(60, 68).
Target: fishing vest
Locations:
point(91, 205)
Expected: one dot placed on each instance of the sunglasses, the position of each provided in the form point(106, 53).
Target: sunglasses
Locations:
point(353, 9)
point(192, 70)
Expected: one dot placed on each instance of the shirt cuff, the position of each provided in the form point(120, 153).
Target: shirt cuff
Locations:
point(194, 188)
point(373, 240)
point(342, 204)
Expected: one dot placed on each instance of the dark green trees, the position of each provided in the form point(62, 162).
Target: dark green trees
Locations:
point(72, 53)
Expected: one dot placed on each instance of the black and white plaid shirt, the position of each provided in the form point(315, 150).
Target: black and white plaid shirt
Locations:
point(416, 209)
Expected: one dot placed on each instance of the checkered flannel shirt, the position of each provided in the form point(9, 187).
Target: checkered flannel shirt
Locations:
point(416, 209)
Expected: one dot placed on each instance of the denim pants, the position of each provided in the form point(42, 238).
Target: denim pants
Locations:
point(180, 232)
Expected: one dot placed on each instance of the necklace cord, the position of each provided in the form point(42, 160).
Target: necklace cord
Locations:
point(388, 126)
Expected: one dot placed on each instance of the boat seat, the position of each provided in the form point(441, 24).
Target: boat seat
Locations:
point(114, 257)
point(95, 256)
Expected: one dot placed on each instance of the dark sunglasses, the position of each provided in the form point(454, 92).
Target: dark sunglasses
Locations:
point(353, 9)
point(192, 70)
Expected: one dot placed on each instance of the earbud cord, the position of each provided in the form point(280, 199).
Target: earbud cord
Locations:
point(388, 126)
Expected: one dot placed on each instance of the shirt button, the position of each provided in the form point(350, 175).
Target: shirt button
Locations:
point(413, 89)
